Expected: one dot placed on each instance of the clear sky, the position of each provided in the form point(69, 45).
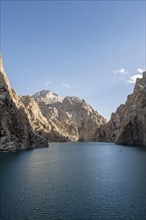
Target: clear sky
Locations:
point(90, 49)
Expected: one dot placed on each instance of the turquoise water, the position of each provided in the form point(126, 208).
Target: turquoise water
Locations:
point(74, 181)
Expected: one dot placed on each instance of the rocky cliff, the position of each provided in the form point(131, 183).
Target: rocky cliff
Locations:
point(127, 125)
point(16, 132)
point(28, 122)
point(47, 128)
point(74, 117)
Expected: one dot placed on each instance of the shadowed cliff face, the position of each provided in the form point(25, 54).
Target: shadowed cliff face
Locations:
point(127, 125)
point(15, 130)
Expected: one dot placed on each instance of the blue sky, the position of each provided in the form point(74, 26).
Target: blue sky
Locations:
point(90, 49)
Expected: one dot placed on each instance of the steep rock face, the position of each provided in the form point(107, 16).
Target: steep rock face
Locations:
point(46, 128)
point(39, 123)
point(127, 125)
point(15, 130)
point(73, 116)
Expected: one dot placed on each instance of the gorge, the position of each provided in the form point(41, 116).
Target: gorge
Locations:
point(33, 121)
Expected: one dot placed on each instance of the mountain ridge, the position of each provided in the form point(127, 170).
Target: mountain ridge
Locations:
point(32, 121)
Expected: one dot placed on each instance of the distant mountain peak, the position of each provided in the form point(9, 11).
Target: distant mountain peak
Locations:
point(42, 92)
point(47, 96)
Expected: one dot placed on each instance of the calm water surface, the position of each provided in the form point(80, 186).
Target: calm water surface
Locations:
point(70, 181)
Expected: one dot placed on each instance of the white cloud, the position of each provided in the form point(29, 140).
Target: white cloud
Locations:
point(128, 78)
point(120, 71)
point(66, 85)
point(133, 78)
point(48, 82)
point(140, 70)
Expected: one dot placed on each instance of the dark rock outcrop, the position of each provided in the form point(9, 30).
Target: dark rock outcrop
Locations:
point(127, 125)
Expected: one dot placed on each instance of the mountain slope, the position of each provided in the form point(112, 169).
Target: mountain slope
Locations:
point(46, 128)
point(127, 125)
point(73, 116)
point(15, 130)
